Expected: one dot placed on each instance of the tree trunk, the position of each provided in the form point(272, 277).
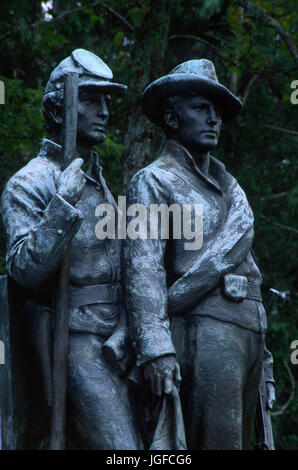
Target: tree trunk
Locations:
point(147, 62)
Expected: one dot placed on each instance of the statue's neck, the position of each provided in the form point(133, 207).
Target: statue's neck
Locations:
point(200, 156)
point(202, 161)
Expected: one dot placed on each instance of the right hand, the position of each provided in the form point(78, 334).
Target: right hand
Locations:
point(162, 374)
point(72, 182)
point(271, 395)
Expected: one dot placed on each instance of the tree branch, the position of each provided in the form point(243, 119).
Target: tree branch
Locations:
point(225, 59)
point(115, 13)
point(206, 43)
point(65, 14)
point(253, 79)
point(275, 196)
point(260, 14)
point(284, 227)
point(281, 129)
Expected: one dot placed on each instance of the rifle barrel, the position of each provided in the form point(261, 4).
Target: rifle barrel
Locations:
point(60, 346)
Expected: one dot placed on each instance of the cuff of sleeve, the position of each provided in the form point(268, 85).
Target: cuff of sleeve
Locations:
point(62, 216)
point(160, 344)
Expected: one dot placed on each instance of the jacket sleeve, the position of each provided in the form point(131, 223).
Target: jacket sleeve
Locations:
point(225, 251)
point(39, 224)
point(144, 278)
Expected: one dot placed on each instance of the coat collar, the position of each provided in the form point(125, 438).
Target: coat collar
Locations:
point(53, 152)
point(185, 159)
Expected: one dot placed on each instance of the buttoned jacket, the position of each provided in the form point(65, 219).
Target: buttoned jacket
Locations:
point(39, 225)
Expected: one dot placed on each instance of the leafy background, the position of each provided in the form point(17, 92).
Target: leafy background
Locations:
point(253, 47)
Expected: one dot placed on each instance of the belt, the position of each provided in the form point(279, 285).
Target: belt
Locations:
point(252, 292)
point(96, 294)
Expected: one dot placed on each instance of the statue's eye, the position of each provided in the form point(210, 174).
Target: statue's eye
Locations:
point(201, 107)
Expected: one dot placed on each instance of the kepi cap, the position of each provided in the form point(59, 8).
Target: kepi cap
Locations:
point(93, 73)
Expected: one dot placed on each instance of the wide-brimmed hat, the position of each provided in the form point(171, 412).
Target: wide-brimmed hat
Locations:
point(92, 71)
point(194, 76)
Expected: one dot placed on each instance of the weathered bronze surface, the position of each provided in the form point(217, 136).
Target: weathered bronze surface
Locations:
point(46, 208)
point(200, 308)
point(196, 320)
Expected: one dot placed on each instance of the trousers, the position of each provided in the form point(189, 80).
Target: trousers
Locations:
point(101, 416)
point(221, 365)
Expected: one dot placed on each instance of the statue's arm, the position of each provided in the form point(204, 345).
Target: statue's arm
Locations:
point(219, 256)
point(39, 224)
point(144, 279)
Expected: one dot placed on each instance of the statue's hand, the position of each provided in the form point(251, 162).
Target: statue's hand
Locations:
point(72, 182)
point(162, 374)
point(270, 395)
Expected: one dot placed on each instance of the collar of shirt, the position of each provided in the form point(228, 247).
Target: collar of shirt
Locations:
point(184, 158)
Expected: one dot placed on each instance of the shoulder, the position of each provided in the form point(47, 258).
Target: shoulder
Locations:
point(158, 173)
point(148, 185)
point(36, 180)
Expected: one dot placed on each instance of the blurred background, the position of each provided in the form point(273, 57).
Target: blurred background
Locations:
point(253, 46)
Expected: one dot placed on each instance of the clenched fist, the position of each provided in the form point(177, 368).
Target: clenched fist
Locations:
point(72, 182)
point(162, 374)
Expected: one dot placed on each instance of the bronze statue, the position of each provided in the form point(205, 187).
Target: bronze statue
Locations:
point(201, 306)
point(44, 210)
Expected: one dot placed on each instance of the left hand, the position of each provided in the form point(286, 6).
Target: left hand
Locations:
point(270, 395)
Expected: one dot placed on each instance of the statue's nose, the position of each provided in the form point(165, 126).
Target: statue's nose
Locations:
point(212, 122)
point(103, 112)
point(212, 119)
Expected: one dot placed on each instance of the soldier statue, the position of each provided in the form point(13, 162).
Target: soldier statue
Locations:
point(197, 307)
point(44, 210)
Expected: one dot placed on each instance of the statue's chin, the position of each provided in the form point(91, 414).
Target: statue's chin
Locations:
point(210, 147)
point(200, 149)
point(101, 138)
point(206, 147)
point(96, 139)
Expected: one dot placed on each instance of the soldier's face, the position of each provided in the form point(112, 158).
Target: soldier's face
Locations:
point(92, 117)
point(199, 123)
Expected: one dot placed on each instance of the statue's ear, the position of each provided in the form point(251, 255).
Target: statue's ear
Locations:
point(56, 115)
point(171, 119)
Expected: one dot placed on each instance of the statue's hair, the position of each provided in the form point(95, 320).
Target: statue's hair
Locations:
point(170, 103)
point(52, 101)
